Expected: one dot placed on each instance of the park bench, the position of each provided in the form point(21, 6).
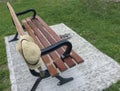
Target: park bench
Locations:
point(56, 53)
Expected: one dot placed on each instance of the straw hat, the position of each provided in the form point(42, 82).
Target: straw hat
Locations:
point(30, 51)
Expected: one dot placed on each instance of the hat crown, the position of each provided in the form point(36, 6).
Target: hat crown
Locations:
point(30, 51)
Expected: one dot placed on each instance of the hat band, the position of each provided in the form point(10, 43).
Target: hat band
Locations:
point(34, 63)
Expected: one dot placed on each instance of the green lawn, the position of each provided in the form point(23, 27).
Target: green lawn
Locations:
point(96, 21)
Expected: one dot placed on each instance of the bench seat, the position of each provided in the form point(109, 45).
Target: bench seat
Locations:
point(44, 36)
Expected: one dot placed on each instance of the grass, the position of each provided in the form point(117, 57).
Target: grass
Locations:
point(96, 21)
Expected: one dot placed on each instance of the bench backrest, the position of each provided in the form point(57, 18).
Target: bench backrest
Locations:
point(15, 19)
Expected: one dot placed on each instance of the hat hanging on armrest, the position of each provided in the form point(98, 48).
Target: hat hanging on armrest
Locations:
point(30, 51)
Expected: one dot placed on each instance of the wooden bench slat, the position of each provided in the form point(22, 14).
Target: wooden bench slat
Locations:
point(52, 40)
point(74, 55)
point(45, 43)
point(51, 68)
point(53, 71)
point(15, 19)
point(59, 65)
point(48, 28)
point(40, 30)
point(69, 61)
point(30, 32)
point(47, 34)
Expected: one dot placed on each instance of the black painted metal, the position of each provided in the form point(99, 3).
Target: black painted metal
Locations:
point(36, 84)
point(56, 46)
point(48, 50)
point(33, 72)
point(60, 78)
point(15, 37)
point(27, 11)
point(63, 80)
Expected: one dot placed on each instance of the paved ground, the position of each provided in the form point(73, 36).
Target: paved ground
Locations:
point(97, 72)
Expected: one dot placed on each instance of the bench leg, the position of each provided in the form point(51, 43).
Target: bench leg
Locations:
point(36, 84)
point(15, 38)
point(39, 78)
point(60, 78)
point(63, 80)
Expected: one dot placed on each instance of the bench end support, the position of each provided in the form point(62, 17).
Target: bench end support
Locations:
point(63, 80)
point(15, 38)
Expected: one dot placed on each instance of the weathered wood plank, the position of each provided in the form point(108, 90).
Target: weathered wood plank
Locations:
point(75, 56)
point(15, 19)
point(51, 68)
point(53, 40)
point(46, 43)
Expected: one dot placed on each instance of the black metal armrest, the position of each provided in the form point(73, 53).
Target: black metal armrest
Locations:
point(56, 46)
point(27, 11)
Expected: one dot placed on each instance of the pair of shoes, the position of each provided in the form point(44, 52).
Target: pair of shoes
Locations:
point(65, 36)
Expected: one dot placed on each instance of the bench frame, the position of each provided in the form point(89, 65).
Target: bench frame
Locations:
point(45, 51)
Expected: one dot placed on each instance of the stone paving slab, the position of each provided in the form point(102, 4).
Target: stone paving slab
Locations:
point(98, 71)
